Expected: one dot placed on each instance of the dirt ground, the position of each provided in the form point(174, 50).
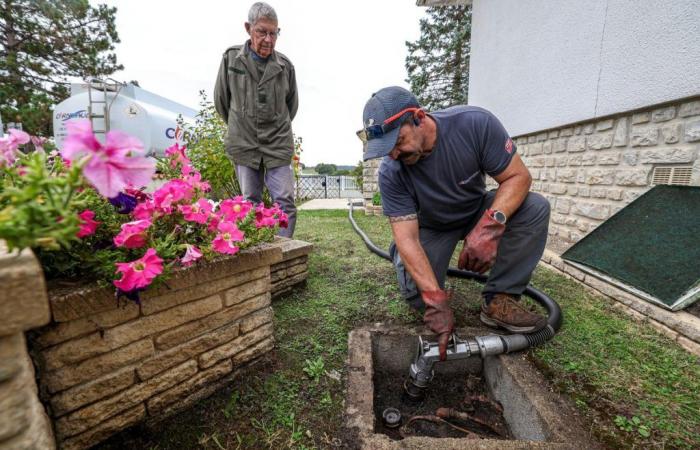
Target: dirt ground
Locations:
point(464, 393)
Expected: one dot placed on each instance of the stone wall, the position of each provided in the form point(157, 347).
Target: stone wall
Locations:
point(292, 270)
point(591, 170)
point(23, 305)
point(103, 366)
point(369, 183)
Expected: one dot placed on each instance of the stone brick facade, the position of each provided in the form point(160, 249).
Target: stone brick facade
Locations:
point(104, 366)
point(369, 183)
point(591, 170)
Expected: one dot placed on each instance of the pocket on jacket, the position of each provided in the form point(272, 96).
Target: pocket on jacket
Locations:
point(238, 80)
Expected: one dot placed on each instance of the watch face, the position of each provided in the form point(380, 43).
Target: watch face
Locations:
point(499, 217)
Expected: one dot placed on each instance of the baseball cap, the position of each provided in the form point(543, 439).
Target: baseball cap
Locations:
point(385, 104)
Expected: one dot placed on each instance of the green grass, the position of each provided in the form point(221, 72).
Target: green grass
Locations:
point(636, 388)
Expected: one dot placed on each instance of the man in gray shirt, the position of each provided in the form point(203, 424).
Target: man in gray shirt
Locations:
point(256, 95)
point(432, 181)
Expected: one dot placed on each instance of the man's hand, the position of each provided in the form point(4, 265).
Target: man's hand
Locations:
point(481, 244)
point(438, 317)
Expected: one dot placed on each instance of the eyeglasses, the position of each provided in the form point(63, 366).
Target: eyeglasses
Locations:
point(376, 131)
point(262, 34)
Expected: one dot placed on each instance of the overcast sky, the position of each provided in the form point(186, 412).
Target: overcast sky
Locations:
point(342, 52)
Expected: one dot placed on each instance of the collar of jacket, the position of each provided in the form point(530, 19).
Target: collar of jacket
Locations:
point(275, 64)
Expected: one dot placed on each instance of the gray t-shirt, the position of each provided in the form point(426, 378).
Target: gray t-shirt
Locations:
point(446, 188)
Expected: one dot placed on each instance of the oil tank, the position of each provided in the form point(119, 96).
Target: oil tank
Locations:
point(125, 107)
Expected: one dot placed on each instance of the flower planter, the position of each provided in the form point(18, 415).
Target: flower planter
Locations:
point(103, 366)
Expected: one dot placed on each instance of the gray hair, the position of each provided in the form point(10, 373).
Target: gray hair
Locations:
point(261, 10)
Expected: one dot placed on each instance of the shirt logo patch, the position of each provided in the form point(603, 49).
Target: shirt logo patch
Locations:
point(509, 145)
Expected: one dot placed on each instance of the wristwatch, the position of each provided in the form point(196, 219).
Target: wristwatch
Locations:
point(498, 216)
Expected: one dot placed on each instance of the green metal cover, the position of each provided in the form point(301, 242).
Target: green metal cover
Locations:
point(652, 245)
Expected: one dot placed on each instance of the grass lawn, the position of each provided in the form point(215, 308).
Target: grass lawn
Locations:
point(636, 388)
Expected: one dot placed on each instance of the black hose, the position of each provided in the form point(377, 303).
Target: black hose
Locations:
point(554, 315)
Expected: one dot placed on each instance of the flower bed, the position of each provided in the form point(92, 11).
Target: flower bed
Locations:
point(171, 290)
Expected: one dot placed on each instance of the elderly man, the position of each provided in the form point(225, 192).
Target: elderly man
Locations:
point(256, 94)
point(432, 181)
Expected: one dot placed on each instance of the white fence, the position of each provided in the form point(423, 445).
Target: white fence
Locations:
point(327, 186)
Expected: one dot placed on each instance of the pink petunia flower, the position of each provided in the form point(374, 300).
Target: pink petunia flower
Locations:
point(172, 192)
point(236, 208)
point(9, 145)
point(214, 220)
point(133, 234)
point(224, 242)
point(113, 166)
point(194, 179)
point(39, 143)
point(192, 254)
point(87, 224)
point(140, 273)
point(177, 155)
point(144, 210)
point(197, 212)
point(265, 217)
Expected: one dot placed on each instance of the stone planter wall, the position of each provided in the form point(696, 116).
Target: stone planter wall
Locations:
point(23, 305)
point(292, 270)
point(103, 366)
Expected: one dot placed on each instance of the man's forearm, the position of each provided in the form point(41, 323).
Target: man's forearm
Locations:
point(510, 194)
point(513, 186)
point(415, 260)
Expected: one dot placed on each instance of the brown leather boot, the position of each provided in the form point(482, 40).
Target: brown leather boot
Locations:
point(504, 311)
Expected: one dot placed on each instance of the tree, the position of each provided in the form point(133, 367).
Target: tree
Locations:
point(438, 62)
point(357, 173)
point(326, 169)
point(44, 42)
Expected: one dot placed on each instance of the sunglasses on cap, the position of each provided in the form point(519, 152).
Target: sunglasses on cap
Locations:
point(379, 130)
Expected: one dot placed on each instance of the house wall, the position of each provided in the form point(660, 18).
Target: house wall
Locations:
point(590, 171)
point(539, 65)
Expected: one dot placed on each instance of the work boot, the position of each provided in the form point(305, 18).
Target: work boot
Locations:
point(504, 311)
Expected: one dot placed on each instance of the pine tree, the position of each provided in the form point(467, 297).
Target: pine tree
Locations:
point(42, 43)
point(438, 62)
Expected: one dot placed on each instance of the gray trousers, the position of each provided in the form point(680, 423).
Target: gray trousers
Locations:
point(519, 250)
point(280, 183)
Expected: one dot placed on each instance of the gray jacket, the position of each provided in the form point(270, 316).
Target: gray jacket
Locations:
point(258, 110)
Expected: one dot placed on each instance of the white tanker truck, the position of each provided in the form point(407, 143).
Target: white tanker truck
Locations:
point(111, 105)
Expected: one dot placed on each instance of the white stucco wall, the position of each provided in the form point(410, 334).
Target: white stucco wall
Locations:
point(540, 64)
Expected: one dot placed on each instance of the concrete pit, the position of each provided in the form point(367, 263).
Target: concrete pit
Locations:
point(532, 416)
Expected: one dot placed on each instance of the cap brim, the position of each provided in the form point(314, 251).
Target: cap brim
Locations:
point(380, 147)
